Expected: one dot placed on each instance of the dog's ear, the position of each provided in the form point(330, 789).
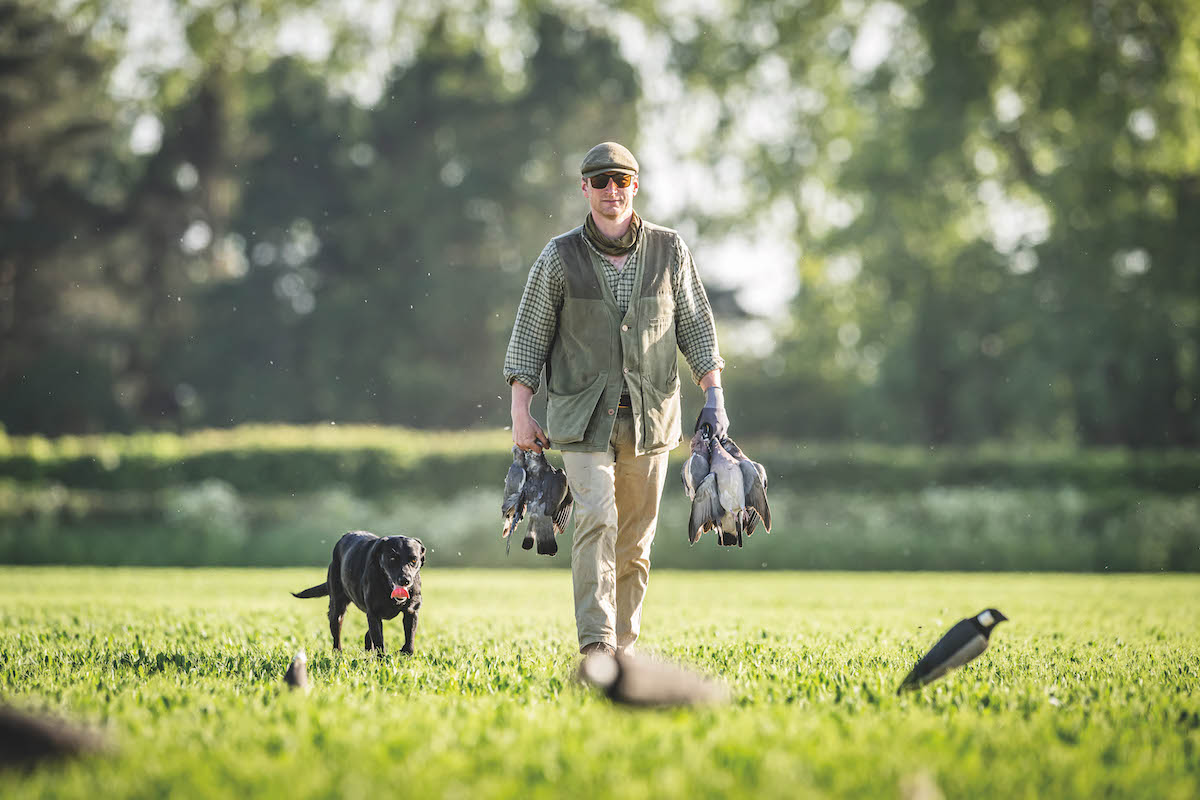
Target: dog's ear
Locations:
point(422, 545)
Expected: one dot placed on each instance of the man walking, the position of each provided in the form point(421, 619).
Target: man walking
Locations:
point(604, 308)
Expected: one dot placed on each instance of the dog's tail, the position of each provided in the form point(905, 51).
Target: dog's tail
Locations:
point(320, 590)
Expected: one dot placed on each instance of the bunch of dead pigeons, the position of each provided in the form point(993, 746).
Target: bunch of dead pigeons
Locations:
point(536, 490)
point(728, 490)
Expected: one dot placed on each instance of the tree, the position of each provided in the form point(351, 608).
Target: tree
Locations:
point(56, 205)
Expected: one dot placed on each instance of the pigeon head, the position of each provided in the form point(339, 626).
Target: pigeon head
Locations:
point(989, 618)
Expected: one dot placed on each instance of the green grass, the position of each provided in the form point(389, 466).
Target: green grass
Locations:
point(1092, 690)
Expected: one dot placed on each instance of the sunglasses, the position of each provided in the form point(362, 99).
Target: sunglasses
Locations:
point(621, 179)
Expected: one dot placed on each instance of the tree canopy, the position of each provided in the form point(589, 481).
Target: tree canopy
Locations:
point(284, 211)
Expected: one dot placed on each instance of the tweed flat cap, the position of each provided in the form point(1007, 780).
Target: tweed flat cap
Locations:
point(608, 157)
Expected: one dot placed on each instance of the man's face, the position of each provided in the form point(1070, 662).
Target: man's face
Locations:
point(610, 201)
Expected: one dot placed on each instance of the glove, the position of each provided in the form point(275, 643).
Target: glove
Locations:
point(713, 414)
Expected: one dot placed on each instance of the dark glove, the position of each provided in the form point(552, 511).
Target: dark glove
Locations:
point(713, 414)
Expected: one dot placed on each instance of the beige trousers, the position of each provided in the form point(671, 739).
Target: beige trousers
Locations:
point(616, 510)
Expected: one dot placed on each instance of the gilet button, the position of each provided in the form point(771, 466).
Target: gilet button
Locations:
point(624, 327)
point(611, 412)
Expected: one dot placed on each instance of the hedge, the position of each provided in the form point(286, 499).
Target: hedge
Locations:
point(375, 462)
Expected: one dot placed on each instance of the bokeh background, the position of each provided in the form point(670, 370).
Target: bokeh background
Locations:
point(259, 262)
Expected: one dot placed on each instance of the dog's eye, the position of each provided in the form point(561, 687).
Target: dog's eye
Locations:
point(412, 561)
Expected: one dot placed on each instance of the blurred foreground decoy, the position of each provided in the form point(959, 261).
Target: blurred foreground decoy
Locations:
point(962, 643)
point(537, 490)
point(639, 681)
point(297, 672)
point(26, 740)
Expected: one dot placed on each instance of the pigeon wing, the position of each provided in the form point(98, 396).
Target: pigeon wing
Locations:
point(563, 515)
point(696, 467)
point(756, 493)
point(513, 506)
point(706, 508)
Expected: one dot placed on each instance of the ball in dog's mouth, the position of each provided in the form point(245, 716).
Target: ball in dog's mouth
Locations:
point(400, 593)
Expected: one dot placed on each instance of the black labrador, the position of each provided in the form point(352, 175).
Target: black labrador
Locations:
point(382, 576)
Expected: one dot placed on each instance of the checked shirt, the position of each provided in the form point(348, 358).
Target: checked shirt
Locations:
point(537, 316)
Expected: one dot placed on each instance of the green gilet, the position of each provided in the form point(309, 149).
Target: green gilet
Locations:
point(596, 347)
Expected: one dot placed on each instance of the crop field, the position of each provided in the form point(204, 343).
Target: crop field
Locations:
point(1091, 690)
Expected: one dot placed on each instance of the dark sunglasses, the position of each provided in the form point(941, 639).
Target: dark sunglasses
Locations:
point(621, 179)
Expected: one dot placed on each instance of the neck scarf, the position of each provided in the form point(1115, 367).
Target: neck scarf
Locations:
point(613, 247)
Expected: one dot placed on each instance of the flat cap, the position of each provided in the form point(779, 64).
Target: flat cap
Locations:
point(608, 157)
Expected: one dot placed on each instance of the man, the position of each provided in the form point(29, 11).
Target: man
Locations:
point(603, 310)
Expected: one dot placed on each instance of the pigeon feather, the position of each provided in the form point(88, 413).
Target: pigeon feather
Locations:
point(706, 509)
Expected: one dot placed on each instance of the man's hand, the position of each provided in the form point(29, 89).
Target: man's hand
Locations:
point(526, 433)
point(713, 414)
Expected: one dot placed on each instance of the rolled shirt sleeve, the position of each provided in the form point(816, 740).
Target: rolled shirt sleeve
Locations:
point(695, 331)
point(537, 320)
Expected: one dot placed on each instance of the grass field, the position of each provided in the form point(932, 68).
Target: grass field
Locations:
point(1092, 690)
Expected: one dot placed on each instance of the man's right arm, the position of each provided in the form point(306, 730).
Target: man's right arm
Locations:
point(526, 432)
point(533, 332)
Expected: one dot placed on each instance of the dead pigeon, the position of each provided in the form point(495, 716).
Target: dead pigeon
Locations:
point(513, 506)
point(548, 503)
point(26, 740)
point(297, 672)
point(754, 481)
point(642, 682)
point(700, 485)
point(732, 494)
point(536, 490)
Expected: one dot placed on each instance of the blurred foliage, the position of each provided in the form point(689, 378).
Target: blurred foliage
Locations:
point(995, 211)
point(287, 210)
point(378, 462)
point(958, 527)
point(276, 495)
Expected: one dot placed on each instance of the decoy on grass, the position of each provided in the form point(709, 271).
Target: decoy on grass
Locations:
point(964, 642)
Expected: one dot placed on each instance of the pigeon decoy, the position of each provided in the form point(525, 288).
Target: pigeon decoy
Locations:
point(754, 480)
point(513, 506)
point(642, 682)
point(297, 672)
point(962, 643)
point(732, 494)
point(548, 503)
point(26, 740)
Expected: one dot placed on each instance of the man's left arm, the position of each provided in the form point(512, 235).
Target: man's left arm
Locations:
point(696, 334)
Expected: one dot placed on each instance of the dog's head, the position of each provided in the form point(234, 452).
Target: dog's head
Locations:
point(401, 558)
